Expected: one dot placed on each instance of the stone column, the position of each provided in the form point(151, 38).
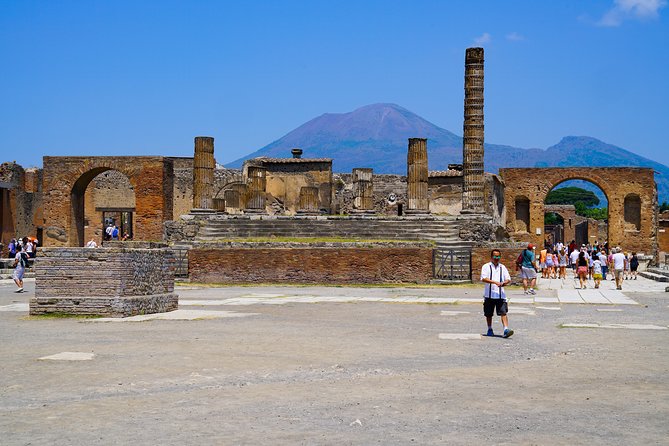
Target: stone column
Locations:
point(472, 141)
point(257, 181)
point(309, 201)
point(203, 173)
point(363, 190)
point(417, 201)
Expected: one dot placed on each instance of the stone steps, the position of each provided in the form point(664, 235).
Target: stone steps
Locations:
point(656, 274)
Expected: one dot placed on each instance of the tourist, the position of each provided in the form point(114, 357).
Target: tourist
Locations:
point(20, 265)
point(628, 272)
point(496, 277)
point(634, 265)
point(12, 248)
point(108, 232)
point(582, 268)
point(32, 241)
point(573, 259)
point(618, 267)
point(542, 262)
point(562, 263)
point(91, 243)
point(603, 262)
point(126, 237)
point(572, 247)
point(528, 269)
point(28, 247)
point(114, 233)
point(596, 270)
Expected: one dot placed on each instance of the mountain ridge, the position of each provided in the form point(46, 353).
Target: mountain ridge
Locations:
point(376, 136)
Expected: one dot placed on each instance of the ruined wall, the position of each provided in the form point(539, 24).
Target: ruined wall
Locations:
point(389, 192)
point(663, 234)
point(510, 251)
point(616, 182)
point(66, 179)
point(311, 265)
point(445, 194)
point(109, 191)
point(20, 200)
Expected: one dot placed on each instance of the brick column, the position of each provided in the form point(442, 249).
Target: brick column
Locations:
point(203, 173)
point(472, 141)
point(417, 201)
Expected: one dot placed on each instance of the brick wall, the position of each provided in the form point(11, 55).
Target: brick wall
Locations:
point(311, 265)
point(89, 272)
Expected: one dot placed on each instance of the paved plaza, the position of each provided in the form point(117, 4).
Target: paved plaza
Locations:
point(342, 365)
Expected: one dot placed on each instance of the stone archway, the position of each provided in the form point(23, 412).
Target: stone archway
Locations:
point(65, 180)
point(617, 183)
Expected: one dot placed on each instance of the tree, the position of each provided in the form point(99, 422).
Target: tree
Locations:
point(664, 206)
point(572, 195)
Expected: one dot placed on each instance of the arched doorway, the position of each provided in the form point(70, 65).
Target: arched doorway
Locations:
point(66, 180)
point(576, 210)
point(100, 198)
point(620, 186)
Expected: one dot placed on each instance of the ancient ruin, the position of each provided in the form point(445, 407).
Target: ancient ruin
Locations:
point(209, 212)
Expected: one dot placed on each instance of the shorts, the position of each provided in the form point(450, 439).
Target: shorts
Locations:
point(582, 270)
point(619, 274)
point(635, 268)
point(18, 272)
point(597, 276)
point(528, 273)
point(491, 305)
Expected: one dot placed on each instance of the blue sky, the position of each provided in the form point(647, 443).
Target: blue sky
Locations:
point(144, 78)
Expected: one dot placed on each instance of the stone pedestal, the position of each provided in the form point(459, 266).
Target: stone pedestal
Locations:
point(417, 200)
point(472, 149)
point(115, 282)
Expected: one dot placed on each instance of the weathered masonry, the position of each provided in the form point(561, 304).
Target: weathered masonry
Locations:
point(65, 180)
point(630, 191)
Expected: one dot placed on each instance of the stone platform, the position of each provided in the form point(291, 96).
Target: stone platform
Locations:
point(117, 282)
point(116, 306)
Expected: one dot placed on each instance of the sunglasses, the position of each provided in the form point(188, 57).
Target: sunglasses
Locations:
point(497, 257)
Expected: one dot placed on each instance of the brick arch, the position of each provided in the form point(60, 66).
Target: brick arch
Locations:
point(615, 182)
point(65, 180)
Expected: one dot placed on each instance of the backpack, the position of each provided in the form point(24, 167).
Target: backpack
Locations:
point(23, 261)
point(519, 260)
point(115, 233)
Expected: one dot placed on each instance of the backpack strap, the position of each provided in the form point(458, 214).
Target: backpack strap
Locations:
point(490, 287)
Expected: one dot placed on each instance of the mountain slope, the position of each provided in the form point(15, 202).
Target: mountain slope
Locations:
point(376, 136)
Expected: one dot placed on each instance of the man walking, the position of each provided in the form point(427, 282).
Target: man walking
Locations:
point(20, 264)
point(619, 267)
point(496, 277)
point(528, 271)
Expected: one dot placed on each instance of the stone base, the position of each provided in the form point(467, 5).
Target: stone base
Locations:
point(117, 306)
point(369, 212)
point(417, 212)
point(199, 211)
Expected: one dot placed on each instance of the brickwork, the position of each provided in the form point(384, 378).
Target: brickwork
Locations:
point(616, 182)
point(65, 180)
point(311, 265)
point(104, 281)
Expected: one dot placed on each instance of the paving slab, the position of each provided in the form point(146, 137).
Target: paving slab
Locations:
point(15, 307)
point(176, 315)
point(593, 296)
point(459, 336)
point(549, 308)
point(69, 356)
point(453, 313)
point(569, 297)
point(617, 326)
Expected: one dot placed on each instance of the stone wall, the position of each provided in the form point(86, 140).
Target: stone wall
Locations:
point(104, 281)
point(334, 265)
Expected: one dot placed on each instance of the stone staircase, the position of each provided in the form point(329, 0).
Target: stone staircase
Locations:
point(442, 230)
point(657, 274)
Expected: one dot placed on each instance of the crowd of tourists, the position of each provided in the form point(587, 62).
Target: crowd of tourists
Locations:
point(21, 250)
point(588, 263)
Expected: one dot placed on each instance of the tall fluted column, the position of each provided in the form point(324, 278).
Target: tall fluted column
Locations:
point(203, 173)
point(309, 201)
point(472, 141)
point(257, 181)
point(417, 176)
point(363, 189)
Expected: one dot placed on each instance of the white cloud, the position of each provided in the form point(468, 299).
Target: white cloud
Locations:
point(631, 9)
point(483, 39)
point(515, 37)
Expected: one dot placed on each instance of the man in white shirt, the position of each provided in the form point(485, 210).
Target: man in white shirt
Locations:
point(619, 267)
point(573, 257)
point(496, 277)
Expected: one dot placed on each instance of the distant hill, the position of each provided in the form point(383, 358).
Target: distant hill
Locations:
point(376, 136)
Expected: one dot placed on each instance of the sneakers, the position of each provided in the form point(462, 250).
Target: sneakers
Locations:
point(532, 291)
point(490, 332)
point(508, 332)
point(20, 290)
point(527, 292)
